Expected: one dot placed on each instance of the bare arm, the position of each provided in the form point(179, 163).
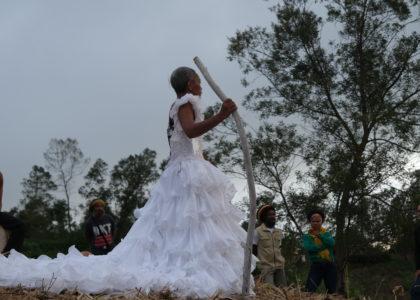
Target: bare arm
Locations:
point(192, 129)
point(1, 190)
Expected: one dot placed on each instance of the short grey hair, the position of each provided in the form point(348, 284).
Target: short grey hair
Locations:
point(180, 78)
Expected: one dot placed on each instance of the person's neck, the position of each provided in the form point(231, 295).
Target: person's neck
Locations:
point(180, 95)
point(269, 225)
point(316, 231)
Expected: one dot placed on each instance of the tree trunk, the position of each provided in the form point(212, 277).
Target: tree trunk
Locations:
point(341, 246)
point(68, 208)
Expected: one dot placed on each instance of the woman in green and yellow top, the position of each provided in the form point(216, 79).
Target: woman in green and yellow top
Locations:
point(320, 246)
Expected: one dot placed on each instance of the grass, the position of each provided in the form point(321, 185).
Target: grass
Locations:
point(374, 281)
point(263, 292)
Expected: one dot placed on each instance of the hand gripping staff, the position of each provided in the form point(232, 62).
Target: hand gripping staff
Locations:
point(249, 176)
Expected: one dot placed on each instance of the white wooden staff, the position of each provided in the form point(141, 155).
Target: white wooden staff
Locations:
point(249, 176)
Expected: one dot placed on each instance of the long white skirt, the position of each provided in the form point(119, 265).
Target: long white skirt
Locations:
point(187, 238)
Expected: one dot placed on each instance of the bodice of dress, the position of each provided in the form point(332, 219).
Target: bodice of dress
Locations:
point(181, 145)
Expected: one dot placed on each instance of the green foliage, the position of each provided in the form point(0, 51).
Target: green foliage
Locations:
point(96, 187)
point(95, 182)
point(66, 161)
point(53, 244)
point(46, 218)
point(40, 210)
point(339, 118)
point(130, 180)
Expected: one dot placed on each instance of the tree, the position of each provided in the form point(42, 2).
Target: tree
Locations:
point(65, 161)
point(399, 222)
point(357, 96)
point(95, 186)
point(37, 201)
point(95, 182)
point(130, 180)
point(274, 154)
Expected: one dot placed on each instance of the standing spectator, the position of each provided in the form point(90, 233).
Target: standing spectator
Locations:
point(319, 244)
point(100, 229)
point(266, 246)
point(13, 225)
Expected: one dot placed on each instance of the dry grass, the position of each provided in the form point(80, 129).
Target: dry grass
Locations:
point(263, 292)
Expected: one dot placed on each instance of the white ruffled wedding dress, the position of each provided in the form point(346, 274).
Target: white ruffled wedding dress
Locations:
point(186, 238)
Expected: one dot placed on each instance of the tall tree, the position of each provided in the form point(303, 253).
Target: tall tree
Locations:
point(398, 222)
point(65, 161)
point(357, 94)
point(130, 182)
point(96, 185)
point(37, 202)
point(275, 154)
point(95, 182)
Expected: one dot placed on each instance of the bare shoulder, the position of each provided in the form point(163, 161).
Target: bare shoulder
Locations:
point(186, 111)
point(186, 106)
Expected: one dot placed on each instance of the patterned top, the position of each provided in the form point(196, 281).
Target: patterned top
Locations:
point(320, 247)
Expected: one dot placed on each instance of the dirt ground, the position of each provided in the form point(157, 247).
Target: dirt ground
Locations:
point(263, 292)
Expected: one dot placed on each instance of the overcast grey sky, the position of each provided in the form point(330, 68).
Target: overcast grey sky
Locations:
point(98, 70)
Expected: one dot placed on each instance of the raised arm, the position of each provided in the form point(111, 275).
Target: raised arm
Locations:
point(1, 190)
point(192, 129)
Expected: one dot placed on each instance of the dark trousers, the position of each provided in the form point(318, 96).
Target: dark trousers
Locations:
point(319, 271)
point(15, 227)
point(415, 289)
point(100, 251)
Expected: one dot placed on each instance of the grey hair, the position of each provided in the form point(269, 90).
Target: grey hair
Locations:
point(180, 78)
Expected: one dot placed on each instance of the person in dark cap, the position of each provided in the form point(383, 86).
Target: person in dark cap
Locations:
point(100, 229)
point(319, 243)
point(267, 247)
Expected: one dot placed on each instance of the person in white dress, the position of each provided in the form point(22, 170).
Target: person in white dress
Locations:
point(187, 238)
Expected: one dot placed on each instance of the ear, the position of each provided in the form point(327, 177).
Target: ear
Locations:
point(189, 85)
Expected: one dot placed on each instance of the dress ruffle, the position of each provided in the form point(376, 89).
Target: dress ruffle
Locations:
point(187, 238)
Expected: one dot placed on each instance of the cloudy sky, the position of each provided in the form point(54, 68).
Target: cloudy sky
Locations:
point(98, 71)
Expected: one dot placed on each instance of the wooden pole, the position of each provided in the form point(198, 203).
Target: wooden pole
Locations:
point(249, 176)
